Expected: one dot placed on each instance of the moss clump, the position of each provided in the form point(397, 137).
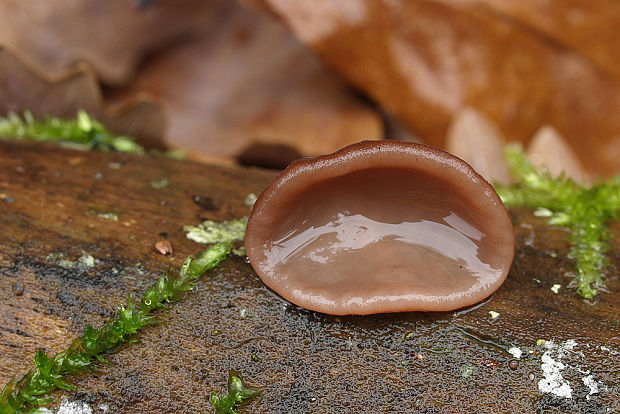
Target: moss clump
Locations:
point(238, 395)
point(49, 373)
point(82, 133)
point(585, 210)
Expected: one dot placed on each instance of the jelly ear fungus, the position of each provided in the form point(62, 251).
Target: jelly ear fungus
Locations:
point(380, 227)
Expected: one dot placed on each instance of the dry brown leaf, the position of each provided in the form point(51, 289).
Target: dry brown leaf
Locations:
point(23, 88)
point(548, 148)
point(247, 89)
point(424, 60)
point(589, 27)
point(477, 140)
point(112, 35)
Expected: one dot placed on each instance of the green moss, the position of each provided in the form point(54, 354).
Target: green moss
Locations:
point(238, 395)
point(585, 210)
point(83, 133)
point(49, 373)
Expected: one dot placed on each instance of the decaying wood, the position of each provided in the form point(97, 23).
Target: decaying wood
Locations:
point(54, 202)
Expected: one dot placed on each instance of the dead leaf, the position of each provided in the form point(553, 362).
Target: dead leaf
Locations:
point(590, 28)
point(425, 60)
point(548, 148)
point(247, 89)
point(23, 88)
point(112, 35)
point(477, 140)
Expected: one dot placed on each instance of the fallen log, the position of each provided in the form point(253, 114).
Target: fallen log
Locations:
point(79, 233)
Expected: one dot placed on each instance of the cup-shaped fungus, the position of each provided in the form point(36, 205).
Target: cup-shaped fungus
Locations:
point(380, 227)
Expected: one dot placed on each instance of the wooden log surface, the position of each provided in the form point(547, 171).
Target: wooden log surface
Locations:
point(54, 202)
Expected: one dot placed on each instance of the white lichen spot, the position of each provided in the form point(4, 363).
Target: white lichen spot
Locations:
point(139, 269)
point(74, 407)
point(609, 350)
point(556, 288)
point(543, 212)
point(467, 370)
point(239, 251)
point(589, 382)
point(569, 345)
point(85, 261)
point(553, 382)
point(210, 231)
point(515, 352)
point(161, 183)
point(250, 200)
point(493, 314)
point(231, 231)
point(108, 216)
point(564, 358)
point(529, 240)
point(552, 368)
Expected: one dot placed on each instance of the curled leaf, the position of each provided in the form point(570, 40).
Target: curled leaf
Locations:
point(425, 60)
point(246, 89)
point(110, 36)
point(26, 89)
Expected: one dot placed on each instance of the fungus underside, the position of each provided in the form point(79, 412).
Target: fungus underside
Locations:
point(584, 210)
point(49, 373)
point(82, 133)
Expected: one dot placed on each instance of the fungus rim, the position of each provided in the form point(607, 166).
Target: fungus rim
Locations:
point(415, 157)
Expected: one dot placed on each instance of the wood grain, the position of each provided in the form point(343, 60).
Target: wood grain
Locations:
point(50, 199)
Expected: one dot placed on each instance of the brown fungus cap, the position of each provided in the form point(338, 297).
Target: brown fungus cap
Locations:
point(381, 227)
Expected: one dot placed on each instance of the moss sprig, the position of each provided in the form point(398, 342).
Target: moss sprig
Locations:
point(585, 210)
point(238, 395)
point(83, 132)
point(49, 373)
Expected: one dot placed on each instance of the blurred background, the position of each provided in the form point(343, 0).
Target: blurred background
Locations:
point(263, 82)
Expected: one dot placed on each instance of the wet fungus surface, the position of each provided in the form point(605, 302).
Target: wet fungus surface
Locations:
point(381, 227)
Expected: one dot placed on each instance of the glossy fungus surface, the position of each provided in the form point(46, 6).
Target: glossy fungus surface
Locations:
point(380, 227)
